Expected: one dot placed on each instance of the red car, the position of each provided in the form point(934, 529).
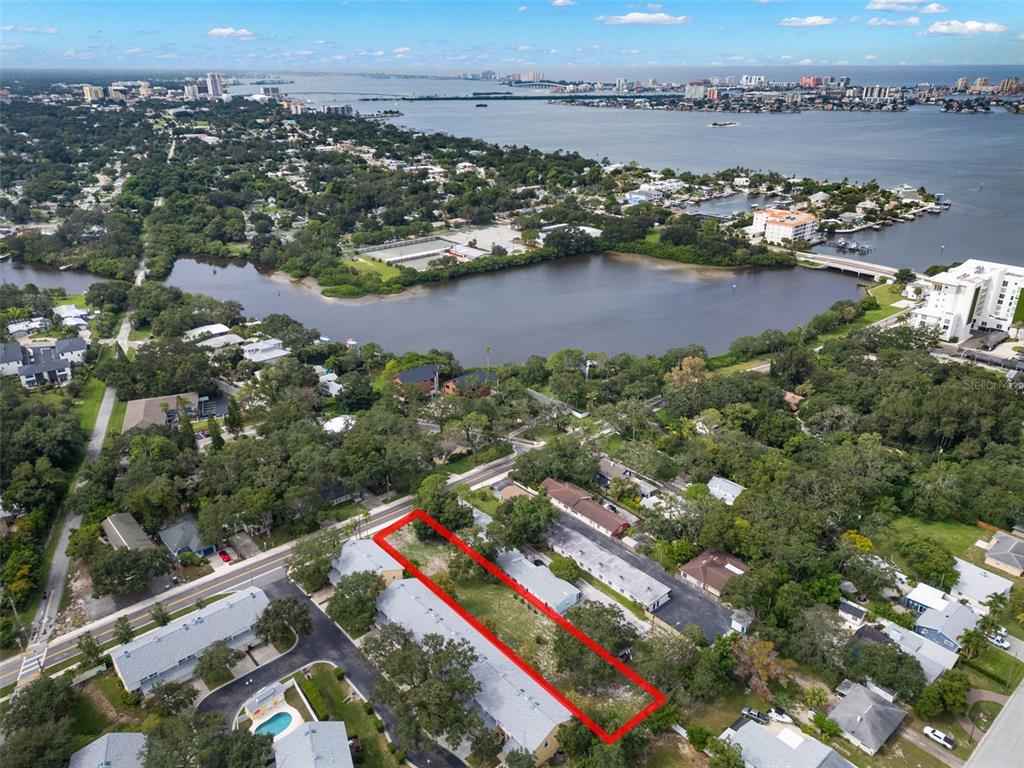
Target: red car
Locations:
point(224, 556)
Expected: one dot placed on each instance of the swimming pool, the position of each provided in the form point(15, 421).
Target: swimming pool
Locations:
point(275, 724)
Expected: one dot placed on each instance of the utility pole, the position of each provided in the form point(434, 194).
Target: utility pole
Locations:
point(487, 351)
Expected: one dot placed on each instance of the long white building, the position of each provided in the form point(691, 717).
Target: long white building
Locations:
point(778, 225)
point(975, 296)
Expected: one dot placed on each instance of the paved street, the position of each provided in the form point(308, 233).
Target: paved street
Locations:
point(686, 606)
point(1003, 745)
point(327, 643)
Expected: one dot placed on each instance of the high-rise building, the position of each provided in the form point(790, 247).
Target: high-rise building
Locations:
point(981, 82)
point(961, 85)
point(1010, 85)
point(695, 91)
point(92, 92)
point(145, 90)
point(712, 94)
point(975, 296)
point(880, 94)
point(810, 81)
point(191, 91)
point(214, 85)
point(730, 80)
point(270, 90)
point(753, 81)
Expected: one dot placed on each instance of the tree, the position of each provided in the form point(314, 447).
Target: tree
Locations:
point(519, 758)
point(972, 643)
point(216, 659)
point(947, 694)
point(698, 736)
point(604, 624)
point(885, 665)
point(123, 632)
point(816, 697)
point(689, 370)
point(92, 655)
point(442, 503)
point(826, 726)
point(216, 438)
point(43, 745)
point(904, 276)
point(521, 521)
point(563, 458)
point(284, 619)
point(565, 568)
point(756, 662)
point(310, 560)
point(353, 606)
point(159, 615)
point(248, 750)
point(724, 754)
point(195, 740)
point(171, 697)
point(233, 421)
point(122, 571)
point(44, 700)
point(930, 561)
point(486, 743)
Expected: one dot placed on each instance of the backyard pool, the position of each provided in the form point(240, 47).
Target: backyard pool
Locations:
point(275, 724)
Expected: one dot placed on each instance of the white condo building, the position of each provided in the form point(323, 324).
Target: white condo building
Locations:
point(214, 85)
point(778, 225)
point(975, 296)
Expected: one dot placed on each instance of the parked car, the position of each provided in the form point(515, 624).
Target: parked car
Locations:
point(779, 715)
point(756, 715)
point(936, 735)
point(224, 556)
point(998, 642)
point(1001, 631)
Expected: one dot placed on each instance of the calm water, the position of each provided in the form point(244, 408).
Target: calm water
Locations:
point(598, 303)
point(44, 277)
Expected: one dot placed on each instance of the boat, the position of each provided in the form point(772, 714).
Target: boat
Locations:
point(722, 125)
point(481, 105)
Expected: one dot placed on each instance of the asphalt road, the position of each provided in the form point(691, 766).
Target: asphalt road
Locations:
point(326, 643)
point(1002, 746)
point(240, 573)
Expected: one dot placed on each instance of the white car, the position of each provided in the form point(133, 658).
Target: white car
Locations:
point(998, 642)
point(936, 735)
point(779, 715)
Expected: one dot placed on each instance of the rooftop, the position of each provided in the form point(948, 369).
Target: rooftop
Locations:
point(537, 579)
point(124, 532)
point(214, 329)
point(111, 750)
point(776, 745)
point(714, 567)
point(152, 411)
point(418, 374)
point(314, 744)
point(978, 583)
point(182, 534)
point(867, 717)
point(582, 503)
point(1006, 549)
point(952, 621)
point(361, 555)
point(928, 596)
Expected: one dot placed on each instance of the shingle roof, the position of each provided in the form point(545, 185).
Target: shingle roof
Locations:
point(1007, 549)
point(12, 352)
point(518, 704)
point(160, 650)
point(418, 374)
point(112, 750)
point(124, 532)
point(781, 747)
point(151, 411)
point(714, 567)
point(361, 555)
point(181, 535)
point(868, 718)
point(933, 658)
point(952, 621)
point(74, 344)
point(583, 504)
point(313, 745)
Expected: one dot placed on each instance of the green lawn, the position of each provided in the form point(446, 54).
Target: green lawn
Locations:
point(366, 264)
point(982, 713)
point(218, 677)
point(634, 608)
point(959, 538)
point(723, 711)
point(483, 456)
point(995, 670)
point(668, 751)
point(138, 334)
point(542, 433)
point(116, 423)
point(91, 397)
point(292, 697)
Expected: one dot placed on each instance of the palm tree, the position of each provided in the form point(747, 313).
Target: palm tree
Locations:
point(996, 603)
point(972, 643)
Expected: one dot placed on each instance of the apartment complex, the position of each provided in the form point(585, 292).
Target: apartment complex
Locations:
point(975, 296)
point(779, 226)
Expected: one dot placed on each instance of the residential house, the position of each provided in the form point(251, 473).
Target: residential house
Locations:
point(314, 744)
point(72, 316)
point(21, 328)
point(111, 750)
point(45, 367)
point(423, 376)
point(183, 536)
point(819, 199)
point(509, 699)
point(171, 652)
point(124, 532)
point(72, 349)
point(12, 357)
point(214, 329)
point(221, 341)
point(339, 424)
point(724, 490)
point(776, 745)
point(851, 614)
point(358, 555)
point(478, 382)
point(740, 621)
point(712, 569)
point(154, 411)
point(610, 469)
point(1006, 552)
point(947, 626)
point(509, 489)
point(578, 503)
point(539, 581)
point(866, 719)
point(933, 657)
point(264, 351)
point(607, 567)
point(925, 597)
point(976, 585)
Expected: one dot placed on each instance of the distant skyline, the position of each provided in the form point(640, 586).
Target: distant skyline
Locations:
point(554, 35)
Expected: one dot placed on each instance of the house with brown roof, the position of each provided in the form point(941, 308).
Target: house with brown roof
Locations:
point(712, 569)
point(152, 411)
point(580, 504)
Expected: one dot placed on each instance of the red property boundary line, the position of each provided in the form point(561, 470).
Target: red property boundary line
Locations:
point(658, 697)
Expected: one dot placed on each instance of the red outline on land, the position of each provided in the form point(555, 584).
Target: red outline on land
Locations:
point(658, 697)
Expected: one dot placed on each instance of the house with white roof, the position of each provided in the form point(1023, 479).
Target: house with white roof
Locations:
point(213, 329)
point(264, 351)
point(221, 341)
point(925, 597)
point(171, 652)
point(539, 581)
point(509, 699)
point(358, 555)
point(111, 750)
point(776, 745)
point(314, 744)
point(725, 490)
point(976, 585)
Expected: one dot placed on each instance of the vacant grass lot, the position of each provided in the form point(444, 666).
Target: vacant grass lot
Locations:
point(364, 264)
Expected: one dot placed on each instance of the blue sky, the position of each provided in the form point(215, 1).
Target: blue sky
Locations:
point(553, 35)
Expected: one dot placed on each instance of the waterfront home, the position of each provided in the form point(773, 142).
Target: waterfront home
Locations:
point(264, 351)
point(711, 570)
point(214, 329)
point(725, 490)
point(12, 357)
point(946, 626)
point(866, 719)
point(539, 581)
point(124, 532)
point(111, 750)
point(423, 376)
point(976, 585)
point(1006, 552)
point(21, 328)
point(359, 555)
point(578, 503)
point(477, 382)
point(72, 316)
point(45, 368)
point(221, 341)
point(509, 699)
point(72, 349)
point(314, 744)
point(172, 652)
point(775, 745)
point(818, 199)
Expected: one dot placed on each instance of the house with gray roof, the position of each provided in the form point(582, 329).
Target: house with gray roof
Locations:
point(183, 536)
point(72, 349)
point(539, 581)
point(947, 625)
point(933, 657)
point(111, 750)
point(1006, 552)
point(724, 490)
point(866, 719)
point(358, 555)
point(509, 699)
point(12, 357)
point(124, 532)
point(314, 744)
point(611, 469)
point(776, 746)
point(171, 652)
point(44, 367)
point(976, 585)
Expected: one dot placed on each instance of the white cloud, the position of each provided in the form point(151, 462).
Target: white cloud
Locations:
point(522, 8)
point(934, 8)
point(842, 62)
point(910, 21)
point(654, 6)
point(806, 61)
point(637, 17)
point(893, 6)
point(5, 47)
point(401, 51)
point(230, 32)
point(1019, 38)
point(964, 28)
point(29, 29)
point(871, 57)
point(134, 51)
point(562, 3)
point(786, 57)
point(807, 21)
point(737, 57)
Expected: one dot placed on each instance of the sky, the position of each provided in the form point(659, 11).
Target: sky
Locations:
point(517, 36)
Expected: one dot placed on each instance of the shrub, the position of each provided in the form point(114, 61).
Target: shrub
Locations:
point(698, 736)
point(379, 725)
point(339, 673)
point(368, 707)
point(828, 727)
point(312, 694)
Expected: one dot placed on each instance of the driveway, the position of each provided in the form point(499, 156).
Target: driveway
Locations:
point(686, 605)
point(327, 643)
